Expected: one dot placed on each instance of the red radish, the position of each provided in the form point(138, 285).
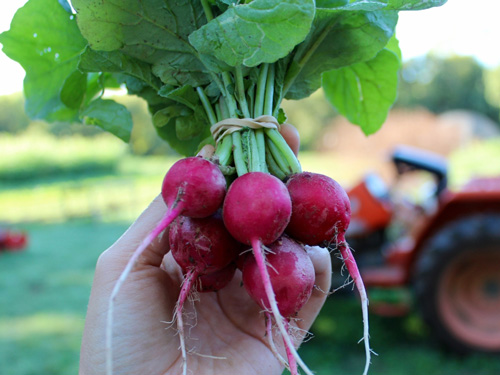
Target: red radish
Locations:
point(200, 247)
point(213, 282)
point(256, 211)
point(320, 208)
point(321, 213)
point(192, 187)
point(292, 276)
point(257, 207)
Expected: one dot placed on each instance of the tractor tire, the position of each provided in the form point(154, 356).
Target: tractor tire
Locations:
point(457, 284)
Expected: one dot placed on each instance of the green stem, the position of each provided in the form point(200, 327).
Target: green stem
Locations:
point(206, 104)
point(223, 108)
point(273, 167)
point(218, 111)
point(230, 101)
point(291, 75)
point(208, 10)
point(224, 150)
point(227, 170)
point(269, 97)
point(277, 139)
point(251, 98)
point(255, 165)
point(261, 91)
point(261, 144)
point(239, 162)
point(278, 157)
point(240, 87)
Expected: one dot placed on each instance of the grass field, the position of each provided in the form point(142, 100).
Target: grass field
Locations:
point(73, 209)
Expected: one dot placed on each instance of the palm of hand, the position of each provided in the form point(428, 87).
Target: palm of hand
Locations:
point(225, 331)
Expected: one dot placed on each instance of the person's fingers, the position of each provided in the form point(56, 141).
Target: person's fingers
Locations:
point(320, 258)
point(206, 151)
point(291, 136)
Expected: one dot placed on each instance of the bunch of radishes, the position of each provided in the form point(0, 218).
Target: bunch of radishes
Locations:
point(212, 227)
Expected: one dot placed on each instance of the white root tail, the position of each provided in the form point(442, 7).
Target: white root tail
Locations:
point(269, 332)
point(164, 222)
point(353, 270)
point(259, 258)
point(186, 288)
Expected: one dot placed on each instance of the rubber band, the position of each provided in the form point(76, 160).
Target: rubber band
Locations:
point(231, 125)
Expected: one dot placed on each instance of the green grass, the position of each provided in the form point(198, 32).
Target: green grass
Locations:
point(44, 292)
point(104, 197)
point(36, 154)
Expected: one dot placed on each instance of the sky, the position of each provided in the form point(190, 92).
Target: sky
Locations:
point(456, 28)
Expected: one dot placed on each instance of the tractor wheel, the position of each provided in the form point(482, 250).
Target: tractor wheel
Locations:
point(457, 284)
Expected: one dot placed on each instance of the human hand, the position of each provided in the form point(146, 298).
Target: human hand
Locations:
point(226, 331)
point(229, 326)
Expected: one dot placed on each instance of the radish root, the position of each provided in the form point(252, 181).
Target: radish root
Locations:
point(353, 270)
point(291, 359)
point(170, 215)
point(269, 332)
point(186, 288)
point(261, 264)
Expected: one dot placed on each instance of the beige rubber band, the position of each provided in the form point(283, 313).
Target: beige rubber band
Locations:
point(231, 125)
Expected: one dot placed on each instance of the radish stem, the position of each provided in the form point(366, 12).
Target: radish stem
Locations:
point(239, 162)
point(206, 105)
point(261, 91)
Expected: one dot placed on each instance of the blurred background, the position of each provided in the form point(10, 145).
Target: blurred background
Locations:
point(72, 190)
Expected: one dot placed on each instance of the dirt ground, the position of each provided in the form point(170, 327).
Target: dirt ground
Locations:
point(420, 128)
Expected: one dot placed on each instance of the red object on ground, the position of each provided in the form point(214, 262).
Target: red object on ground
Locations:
point(13, 241)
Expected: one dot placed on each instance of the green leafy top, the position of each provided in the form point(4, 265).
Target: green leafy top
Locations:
point(184, 56)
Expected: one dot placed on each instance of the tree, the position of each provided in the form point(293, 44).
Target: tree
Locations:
point(445, 84)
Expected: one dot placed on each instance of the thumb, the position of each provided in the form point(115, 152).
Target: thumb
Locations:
point(321, 260)
point(115, 258)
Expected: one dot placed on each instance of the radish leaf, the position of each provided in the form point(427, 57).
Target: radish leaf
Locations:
point(110, 116)
point(337, 39)
point(155, 32)
point(45, 40)
point(257, 32)
point(364, 92)
point(117, 62)
point(370, 5)
point(74, 90)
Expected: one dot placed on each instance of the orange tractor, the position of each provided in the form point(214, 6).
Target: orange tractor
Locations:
point(439, 253)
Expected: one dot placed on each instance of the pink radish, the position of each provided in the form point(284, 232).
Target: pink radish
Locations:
point(215, 281)
point(291, 273)
point(292, 276)
point(257, 208)
point(320, 208)
point(321, 213)
point(256, 211)
point(200, 247)
point(203, 245)
point(192, 187)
